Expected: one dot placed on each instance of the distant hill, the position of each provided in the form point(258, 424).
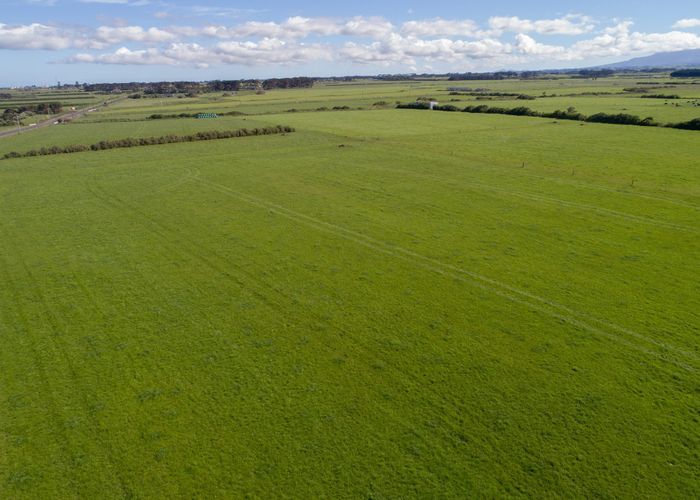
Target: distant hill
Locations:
point(678, 59)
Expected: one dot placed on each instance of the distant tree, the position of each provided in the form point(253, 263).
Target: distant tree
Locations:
point(686, 73)
point(596, 73)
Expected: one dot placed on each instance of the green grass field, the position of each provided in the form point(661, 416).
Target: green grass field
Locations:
point(384, 304)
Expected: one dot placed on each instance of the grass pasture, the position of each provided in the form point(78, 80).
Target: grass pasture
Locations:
point(384, 304)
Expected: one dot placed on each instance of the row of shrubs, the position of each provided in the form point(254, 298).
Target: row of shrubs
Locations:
point(693, 124)
point(159, 116)
point(524, 97)
point(661, 96)
point(569, 114)
point(132, 142)
point(322, 108)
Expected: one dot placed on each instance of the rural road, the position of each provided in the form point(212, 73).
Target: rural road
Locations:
point(64, 116)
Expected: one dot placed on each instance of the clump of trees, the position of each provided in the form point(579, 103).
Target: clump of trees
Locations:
point(414, 105)
point(300, 82)
point(225, 85)
point(154, 89)
point(661, 96)
point(622, 119)
point(689, 125)
point(686, 73)
point(493, 94)
point(499, 75)
point(160, 116)
point(595, 73)
point(9, 115)
point(131, 142)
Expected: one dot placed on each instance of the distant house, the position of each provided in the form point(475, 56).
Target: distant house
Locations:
point(433, 104)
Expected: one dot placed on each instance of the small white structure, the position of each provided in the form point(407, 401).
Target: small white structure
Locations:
point(433, 104)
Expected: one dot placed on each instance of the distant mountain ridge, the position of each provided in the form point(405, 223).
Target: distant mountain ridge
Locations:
point(677, 59)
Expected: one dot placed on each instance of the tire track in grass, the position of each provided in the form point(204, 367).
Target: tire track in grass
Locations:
point(61, 350)
point(259, 288)
point(544, 199)
point(546, 306)
point(46, 395)
point(597, 187)
point(510, 169)
point(194, 251)
point(449, 431)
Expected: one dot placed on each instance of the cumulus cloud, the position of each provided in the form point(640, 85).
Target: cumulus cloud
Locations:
point(37, 36)
point(687, 23)
point(528, 46)
point(407, 50)
point(267, 51)
point(453, 45)
point(115, 35)
point(302, 27)
point(567, 25)
point(133, 3)
point(124, 55)
point(440, 27)
point(620, 40)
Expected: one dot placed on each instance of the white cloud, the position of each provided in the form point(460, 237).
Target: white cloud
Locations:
point(132, 3)
point(687, 23)
point(270, 51)
point(567, 25)
point(440, 27)
point(124, 55)
point(115, 35)
point(528, 46)
point(302, 27)
point(407, 50)
point(37, 36)
point(453, 45)
point(619, 40)
point(266, 51)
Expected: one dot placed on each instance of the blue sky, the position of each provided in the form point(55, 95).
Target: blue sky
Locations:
point(44, 41)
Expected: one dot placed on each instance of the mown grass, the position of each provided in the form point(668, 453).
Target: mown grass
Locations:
point(384, 304)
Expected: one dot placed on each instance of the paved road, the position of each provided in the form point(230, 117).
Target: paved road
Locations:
point(71, 115)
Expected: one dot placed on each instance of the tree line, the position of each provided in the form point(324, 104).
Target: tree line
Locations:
point(160, 116)
point(185, 87)
point(569, 114)
point(661, 96)
point(132, 142)
point(686, 73)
